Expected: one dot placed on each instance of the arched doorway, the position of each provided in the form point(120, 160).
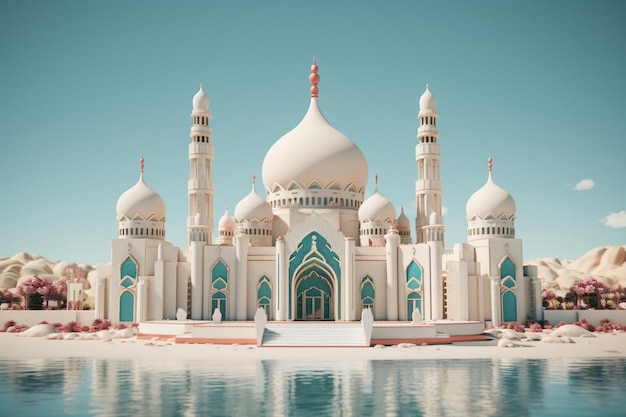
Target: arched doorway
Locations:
point(314, 296)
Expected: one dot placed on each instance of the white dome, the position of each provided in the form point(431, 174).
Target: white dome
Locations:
point(377, 207)
point(253, 206)
point(490, 200)
point(403, 222)
point(315, 151)
point(200, 100)
point(428, 104)
point(226, 222)
point(141, 200)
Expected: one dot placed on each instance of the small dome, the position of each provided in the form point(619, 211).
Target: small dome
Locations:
point(226, 222)
point(403, 223)
point(200, 100)
point(428, 104)
point(490, 200)
point(377, 207)
point(253, 206)
point(141, 200)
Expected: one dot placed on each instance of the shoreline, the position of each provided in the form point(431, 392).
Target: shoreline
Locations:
point(13, 346)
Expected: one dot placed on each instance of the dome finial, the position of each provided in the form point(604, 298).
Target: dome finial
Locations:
point(141, 165)
point(427, 86)
point(490, 163)
point(314, 78)
point(376, 179)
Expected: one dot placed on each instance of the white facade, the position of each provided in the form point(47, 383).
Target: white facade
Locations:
point(313, 247)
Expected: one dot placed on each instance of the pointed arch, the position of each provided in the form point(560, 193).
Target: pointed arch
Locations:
point(219, 287)
point(508, 290)
point(334, 186)
point(313, 266)
point(264, 294)
point(314, 185)
point(128, 280)
point(368, 293)
point(414, 289)
point(352, 188)
point(293, 185)
point(127, 306)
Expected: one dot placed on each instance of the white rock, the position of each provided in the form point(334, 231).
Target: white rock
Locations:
point(38, 330)
point(70, 336)
point(54, 336)
point(572, 330)
point(551, 339)
point(566, 339)
point(493, 332)
point(103, 335)
point(406, 345)
point(533, 336)
point(86, 336)
point(506, 343)
point(125, 333)
point(510, 334)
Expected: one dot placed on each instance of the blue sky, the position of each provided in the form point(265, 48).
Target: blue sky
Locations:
point(88, 87)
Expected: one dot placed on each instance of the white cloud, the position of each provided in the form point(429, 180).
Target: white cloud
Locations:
point(444, 210)
point(615, 220)
point(585, 184)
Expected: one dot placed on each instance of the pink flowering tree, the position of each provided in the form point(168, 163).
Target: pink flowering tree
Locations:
point(589, 292)
point(36, 292)
point(7, 297)
point(59, 293)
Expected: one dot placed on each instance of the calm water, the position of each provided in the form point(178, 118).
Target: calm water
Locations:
point(94, 387)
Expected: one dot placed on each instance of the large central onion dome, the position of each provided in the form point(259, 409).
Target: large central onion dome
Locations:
point(314, 155)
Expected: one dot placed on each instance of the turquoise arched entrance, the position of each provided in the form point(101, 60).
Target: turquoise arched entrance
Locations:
point(314, 296)
point(314, 280)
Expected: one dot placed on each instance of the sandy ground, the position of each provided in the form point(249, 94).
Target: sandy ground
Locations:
point(14, 346)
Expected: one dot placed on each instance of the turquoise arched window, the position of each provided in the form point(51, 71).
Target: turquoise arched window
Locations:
point(508, 288)
point(219, 288)
point(414, 291)
point(264, 294)
point(367, 292)
point(127, 306)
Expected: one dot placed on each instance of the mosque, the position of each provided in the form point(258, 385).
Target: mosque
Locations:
point(312, 247)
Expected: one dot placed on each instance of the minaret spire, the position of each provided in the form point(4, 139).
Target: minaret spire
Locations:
point(141, 166)
point(314, 78)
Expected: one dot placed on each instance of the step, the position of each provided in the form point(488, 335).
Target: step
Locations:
point(314, 334)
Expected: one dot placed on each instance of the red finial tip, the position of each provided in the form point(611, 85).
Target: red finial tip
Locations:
point(141, 164)
point(314, 78)
point(490, 162)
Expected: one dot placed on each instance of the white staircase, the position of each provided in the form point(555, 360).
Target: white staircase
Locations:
point(314, 334)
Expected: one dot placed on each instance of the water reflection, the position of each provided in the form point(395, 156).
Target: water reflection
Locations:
point(286, 388)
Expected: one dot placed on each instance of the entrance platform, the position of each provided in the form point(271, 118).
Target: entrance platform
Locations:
point(312, 334)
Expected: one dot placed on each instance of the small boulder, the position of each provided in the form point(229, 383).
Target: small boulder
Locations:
point(39, 330)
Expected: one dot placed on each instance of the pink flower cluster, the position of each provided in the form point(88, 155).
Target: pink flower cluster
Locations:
point(588, 293)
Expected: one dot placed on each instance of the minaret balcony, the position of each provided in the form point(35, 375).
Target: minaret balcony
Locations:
point(197, 148)
point(200, 184)
point(428, 130)
point(201, 130)
point(421, 185)
point(427, 149)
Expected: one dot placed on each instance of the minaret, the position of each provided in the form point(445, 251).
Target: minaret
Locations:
point(427, 156)
point(200, 186)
